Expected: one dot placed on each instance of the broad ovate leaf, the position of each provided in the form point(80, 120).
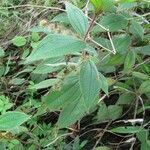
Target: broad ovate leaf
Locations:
point(89, 82)
point(121, 42)
point(77, 19)
point(43, 68)
point(55, 45)
point(143, 137)
point(102, 114)
point(129, 61)
point(114, 22)
point(61, 18)
point(69, 92)
point(2, 53)
point(102, 5)
point(72, 113)
point(144, 50)
point(137, 30)
point(19, 41)
point(103, 83)
point(111, 112)
point(126, 98)
point(114, 112)
point(12, 119)
point(44, 84)
point(145, 87)
point(140, 75)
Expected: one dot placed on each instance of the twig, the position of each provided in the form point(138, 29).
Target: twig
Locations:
point(62, 64)
point(86, 8)
point(97, 129)
point(142, 17)
point(136, 107)
point(142, 103)
point(57, 139)
point(101, 45)
point(102, 98)
point(112, 44)
point(144, 62)
point(36, 6)
point(90, 27)
point(102, 134)
point(99, 25)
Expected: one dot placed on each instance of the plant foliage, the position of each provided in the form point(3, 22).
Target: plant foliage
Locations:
point(79, 79)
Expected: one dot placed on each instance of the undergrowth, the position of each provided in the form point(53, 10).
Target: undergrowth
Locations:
point(74, 75)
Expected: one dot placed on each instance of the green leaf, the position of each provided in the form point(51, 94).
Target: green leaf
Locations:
point(70, 100)
point(4, 104)
point(55, 45)
point(77, 19)
point(129, 61)
point(102, 148)
point(62, 18)
point(114, 22)
point(140, 75)
point(102, 114)
point(142, 135)
point(127, 6)
point(127, 129)
point(126, 99)
point(45, 84)
point(104, 42)
point(19, 41)
point(148, 143)
point(2, 70)
point(103, 83)
point(17, 81)
point(25, 53)
point(43, 68)
point(111, 112)
point(114, 112)
point(145, 50)
point(59, 99)
point(121, 42)
point(129, 1)
point(137, 30)
point(145, 145)
point(71, 113)
point(89, 82)
point(40, 29)
point(12, 119)
point(2, 53)
point(145, 87)
point(102, 5)
point(35, 36)
point(116, 60)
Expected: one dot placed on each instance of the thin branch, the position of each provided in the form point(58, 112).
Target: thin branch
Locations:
point(62, 64)
point(112, 44)
point(99, 25)
point(58, 138)
point(102, 98)
point(101, 135)
point(86, 8)
point(36, 6)
point(101, 45)
point(108, 33)
point(143, 107)
point(90, 27)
